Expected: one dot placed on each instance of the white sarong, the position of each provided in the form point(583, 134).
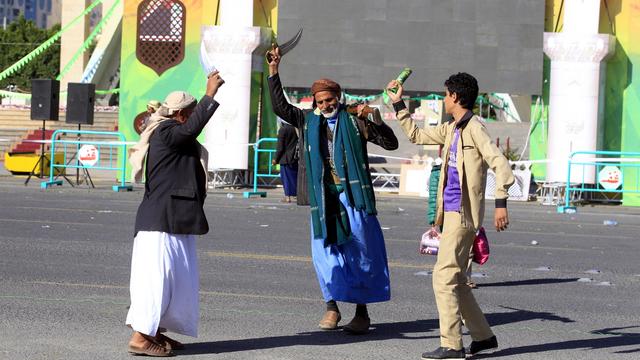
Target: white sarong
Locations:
point(164, 284)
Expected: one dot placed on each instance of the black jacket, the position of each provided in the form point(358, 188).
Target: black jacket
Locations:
point(287, 148)
point(175, 186)
point(381, 135)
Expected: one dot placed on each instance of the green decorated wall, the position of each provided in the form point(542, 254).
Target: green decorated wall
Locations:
point(620, 18)
point(139, 83)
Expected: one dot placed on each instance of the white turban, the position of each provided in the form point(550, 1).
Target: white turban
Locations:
point(175, 101)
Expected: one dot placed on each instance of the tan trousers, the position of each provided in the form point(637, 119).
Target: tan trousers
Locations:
point(454, 298)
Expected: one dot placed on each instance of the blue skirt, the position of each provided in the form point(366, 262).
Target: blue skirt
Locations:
point(289, 178)
point(356, 272)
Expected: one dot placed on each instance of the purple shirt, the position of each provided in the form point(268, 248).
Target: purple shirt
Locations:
point(452, 191)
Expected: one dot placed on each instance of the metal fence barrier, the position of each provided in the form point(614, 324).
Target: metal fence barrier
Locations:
point(88, 154)
point(257, 150)
point(610, 175)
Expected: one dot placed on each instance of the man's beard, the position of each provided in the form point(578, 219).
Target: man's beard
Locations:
point(332, 114)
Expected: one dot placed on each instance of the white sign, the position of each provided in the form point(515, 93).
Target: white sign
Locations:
point(88, 155)
point(610, 177)
point(414, 179)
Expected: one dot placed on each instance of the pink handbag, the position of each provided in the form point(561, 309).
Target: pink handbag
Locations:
point(481, 247)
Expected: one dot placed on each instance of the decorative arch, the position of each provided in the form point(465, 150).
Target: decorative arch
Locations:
point(161, 34)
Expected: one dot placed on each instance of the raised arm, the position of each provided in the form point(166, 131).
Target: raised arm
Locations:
point(182, 133)
point(178, 134)
point(281, 106)
point(375, 130)
point(382, 135)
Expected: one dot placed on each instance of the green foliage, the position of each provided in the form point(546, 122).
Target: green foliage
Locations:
point(21, 37)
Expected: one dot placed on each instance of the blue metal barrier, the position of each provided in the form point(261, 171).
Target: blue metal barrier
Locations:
point(115, 143)
point(623, 162)
point(256, 174)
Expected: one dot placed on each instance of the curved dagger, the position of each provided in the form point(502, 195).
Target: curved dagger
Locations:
point(287, 46)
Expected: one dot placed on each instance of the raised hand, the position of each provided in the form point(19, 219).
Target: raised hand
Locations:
point(273, 59)
point(214, 81)
point(396, 95)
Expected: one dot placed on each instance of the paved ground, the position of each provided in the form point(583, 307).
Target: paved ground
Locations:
point(65, 255)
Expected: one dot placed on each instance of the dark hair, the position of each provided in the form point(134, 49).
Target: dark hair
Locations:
point(465, 87)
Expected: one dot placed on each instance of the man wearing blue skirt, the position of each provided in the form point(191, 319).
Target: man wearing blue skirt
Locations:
point(347, 244)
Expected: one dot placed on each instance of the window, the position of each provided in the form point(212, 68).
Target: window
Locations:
point(161, 32)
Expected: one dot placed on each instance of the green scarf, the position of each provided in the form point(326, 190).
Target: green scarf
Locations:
point(328, 216)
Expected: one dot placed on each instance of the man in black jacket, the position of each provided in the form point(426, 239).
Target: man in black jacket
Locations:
point(164, 267)
point(347, 244)
point(287, 157)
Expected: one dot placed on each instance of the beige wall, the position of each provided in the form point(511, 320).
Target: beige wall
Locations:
point(72, 40)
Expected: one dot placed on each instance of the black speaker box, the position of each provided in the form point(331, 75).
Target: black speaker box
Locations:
point(45, 99)
point(80, 100)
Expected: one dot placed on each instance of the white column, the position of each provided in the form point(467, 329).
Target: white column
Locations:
point(236, 49)
point(577, 80)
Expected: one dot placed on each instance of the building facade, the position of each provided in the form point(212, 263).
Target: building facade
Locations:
point(44, 13)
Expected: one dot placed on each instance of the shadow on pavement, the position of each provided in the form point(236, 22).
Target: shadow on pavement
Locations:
point(519, 315)
point(528, 282)
point(383, 331)
point(615, 340)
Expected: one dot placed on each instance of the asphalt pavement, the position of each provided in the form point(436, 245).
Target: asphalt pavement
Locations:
point(556, 286)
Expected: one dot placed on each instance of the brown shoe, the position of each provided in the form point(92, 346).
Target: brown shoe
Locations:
point(330, 320)
point(168, 342)
point(149, 348)
point(359, 325)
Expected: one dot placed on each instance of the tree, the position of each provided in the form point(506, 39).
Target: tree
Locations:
point(19, 39)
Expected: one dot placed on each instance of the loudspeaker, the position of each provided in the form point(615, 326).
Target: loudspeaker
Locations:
point(45, 99)
point(80, 100)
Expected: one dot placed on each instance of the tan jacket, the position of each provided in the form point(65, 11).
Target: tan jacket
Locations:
point(476, 153)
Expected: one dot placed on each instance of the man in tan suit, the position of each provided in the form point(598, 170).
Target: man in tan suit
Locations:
point(460, 209)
